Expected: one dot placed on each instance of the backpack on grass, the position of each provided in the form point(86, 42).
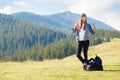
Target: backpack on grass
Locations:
point(93, 64)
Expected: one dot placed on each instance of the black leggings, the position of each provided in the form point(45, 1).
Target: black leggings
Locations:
point(82, 45)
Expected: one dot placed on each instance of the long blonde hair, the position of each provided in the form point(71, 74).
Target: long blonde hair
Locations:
point(79, 24)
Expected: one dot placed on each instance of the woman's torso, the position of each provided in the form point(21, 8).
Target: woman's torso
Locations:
point(83, 34)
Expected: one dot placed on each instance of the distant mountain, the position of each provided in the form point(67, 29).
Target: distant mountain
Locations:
point(37, 19)
point(63, 20)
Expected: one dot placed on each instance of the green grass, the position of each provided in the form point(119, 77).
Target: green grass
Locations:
point(68, 68)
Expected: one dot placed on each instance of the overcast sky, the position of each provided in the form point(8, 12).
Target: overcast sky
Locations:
point(107, 11)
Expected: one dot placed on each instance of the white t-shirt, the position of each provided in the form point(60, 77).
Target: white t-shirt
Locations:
point(82, 33)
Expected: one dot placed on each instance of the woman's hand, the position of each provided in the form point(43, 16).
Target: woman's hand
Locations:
point(94, 27)
point(74, 28)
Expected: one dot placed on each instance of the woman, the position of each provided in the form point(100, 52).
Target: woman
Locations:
point(82, 28)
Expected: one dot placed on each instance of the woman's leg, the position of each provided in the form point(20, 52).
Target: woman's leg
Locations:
point(79, 50)
point(85, 50)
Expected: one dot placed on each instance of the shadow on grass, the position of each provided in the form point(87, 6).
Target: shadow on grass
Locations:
point(112, 70)
point(105, 70)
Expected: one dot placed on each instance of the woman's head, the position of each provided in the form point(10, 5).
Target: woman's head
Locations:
point(83, 18)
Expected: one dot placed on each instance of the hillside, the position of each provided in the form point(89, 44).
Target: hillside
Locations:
point(68, 68)
point(61, 21)
point(18, 35)
point(109, 52)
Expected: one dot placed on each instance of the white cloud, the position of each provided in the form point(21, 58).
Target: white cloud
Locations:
point(22, 3)
point(6, 10)
point(90, 6)
point(69, 2)
point(65, 1)
point(106, 11)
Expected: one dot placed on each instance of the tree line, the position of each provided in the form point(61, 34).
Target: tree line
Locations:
point(59, 49)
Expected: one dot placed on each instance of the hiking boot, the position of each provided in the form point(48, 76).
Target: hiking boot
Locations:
point(84, 66)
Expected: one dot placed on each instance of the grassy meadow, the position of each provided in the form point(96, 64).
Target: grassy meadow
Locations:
point(68, 68)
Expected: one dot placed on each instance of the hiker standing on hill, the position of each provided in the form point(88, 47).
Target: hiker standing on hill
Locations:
point(82, 28)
